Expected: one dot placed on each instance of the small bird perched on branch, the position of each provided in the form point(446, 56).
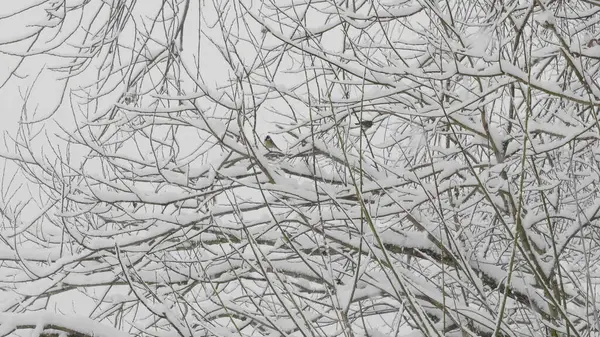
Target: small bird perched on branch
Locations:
point(365, 124)
point(270, 144)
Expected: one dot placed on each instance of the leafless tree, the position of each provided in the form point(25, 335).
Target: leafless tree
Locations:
point(437, 171)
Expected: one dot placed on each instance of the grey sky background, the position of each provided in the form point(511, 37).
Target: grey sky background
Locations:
point(410, 207)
